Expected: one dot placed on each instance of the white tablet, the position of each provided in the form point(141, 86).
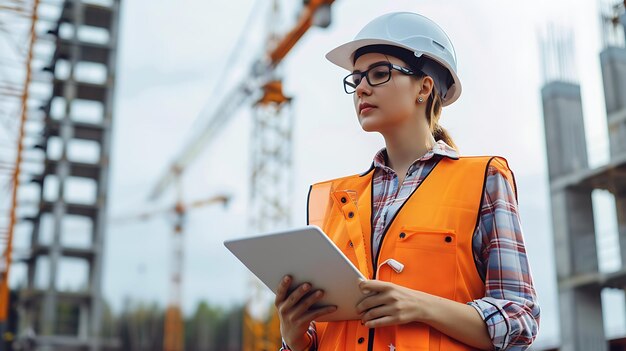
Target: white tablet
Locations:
point(307, 255)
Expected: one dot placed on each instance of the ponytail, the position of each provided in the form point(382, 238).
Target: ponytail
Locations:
point(433, 113)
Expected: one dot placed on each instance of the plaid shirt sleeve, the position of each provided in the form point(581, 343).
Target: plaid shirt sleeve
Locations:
point(509, 308)
point(312, 332)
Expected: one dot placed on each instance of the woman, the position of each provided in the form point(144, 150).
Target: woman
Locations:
point(437, 235)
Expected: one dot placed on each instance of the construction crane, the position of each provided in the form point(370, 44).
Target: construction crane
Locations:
point(14, 102)
point(271, 147)
point(173, 338)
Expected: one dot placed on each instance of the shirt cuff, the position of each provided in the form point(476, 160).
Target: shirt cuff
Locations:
point(285, 347)
point(497, 324)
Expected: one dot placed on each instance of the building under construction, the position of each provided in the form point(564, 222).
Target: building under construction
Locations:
point(64, 92)
point(572, 181)
point(74, 111)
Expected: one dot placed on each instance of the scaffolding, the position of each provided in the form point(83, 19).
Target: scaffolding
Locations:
point(17, 45)
point(68, 109)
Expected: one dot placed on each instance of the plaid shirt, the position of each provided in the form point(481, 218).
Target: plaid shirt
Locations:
point(509, 308)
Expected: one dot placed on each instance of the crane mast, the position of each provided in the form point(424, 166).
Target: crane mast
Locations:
point(271, 167)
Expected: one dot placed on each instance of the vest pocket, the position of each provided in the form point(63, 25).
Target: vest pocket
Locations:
point(430, 260)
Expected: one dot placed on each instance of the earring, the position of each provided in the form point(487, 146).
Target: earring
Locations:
point(420, 100)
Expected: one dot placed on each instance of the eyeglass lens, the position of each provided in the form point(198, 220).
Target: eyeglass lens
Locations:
point(375, 76)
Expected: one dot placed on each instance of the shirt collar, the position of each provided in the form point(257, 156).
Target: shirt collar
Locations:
point(440, 148)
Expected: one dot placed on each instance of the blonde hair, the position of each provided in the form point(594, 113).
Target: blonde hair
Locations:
point(434, 106)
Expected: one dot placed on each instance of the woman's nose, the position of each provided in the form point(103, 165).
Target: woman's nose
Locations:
point(363, 87)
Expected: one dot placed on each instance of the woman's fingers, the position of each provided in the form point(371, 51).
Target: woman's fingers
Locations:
point(367, 286)
point(370, 302)
point(295, 306)
point(380, 322)
point(318, 312)
point(294, 297)
point(377, 312)
point(281, 292)
point(307, 302)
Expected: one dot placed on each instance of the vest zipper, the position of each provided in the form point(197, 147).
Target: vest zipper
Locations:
point(370, 342)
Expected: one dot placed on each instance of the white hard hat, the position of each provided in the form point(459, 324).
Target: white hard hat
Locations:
point(415, 33)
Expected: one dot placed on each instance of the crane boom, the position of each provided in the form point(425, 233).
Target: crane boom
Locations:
point(227, 108)
point(177, 208)
point(305, 21)
point(239, 96)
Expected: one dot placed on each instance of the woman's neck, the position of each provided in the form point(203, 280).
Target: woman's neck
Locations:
point(405, 147)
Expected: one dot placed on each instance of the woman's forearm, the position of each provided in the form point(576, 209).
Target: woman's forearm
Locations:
point(457, 320)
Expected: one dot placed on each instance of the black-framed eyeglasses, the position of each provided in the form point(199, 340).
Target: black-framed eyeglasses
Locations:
point(375, 75)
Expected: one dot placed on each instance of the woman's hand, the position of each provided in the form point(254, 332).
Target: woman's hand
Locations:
point(294, 314)
point(391, 305)
point(394, 304)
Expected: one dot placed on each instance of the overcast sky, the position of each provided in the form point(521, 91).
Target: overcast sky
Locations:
point(171, 53)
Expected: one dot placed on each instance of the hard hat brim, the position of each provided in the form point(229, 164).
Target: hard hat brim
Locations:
point(343, 54)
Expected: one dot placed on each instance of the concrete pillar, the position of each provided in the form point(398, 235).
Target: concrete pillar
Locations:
point(564, 128)
point(572, 220)
point(613, 64)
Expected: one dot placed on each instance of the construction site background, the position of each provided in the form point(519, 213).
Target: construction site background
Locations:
point(160, 73)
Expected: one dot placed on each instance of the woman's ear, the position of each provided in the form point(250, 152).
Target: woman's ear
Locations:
point(426, 87)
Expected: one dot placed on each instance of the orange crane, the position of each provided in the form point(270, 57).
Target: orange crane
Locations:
point(315, 12)
point(263, 89)
point(11, 90)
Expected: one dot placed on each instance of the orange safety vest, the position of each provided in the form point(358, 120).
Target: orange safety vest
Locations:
point(431, 235)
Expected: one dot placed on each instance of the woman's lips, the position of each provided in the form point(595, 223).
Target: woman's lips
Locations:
point(367, 109)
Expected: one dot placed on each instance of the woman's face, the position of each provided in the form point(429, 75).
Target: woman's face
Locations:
point(394, 103)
